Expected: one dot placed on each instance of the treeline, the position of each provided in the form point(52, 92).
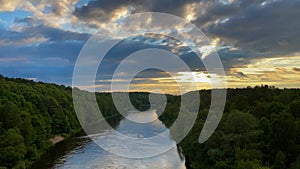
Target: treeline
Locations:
point(33, 112)
point(260, 129)
point(30, 114)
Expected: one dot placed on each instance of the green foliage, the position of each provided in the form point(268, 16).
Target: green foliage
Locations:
point(260, 129)
point(283, 134)
point(250, 165)
point(9, 117)
point(296, 164)
point(294, 108)
point(239, 122)
point(280, 161)
point(31, 113)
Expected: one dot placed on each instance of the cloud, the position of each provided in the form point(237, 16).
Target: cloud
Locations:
point(263, 28)
point(268, 29)
point(9, 6)
point(246, 32)
point(37, 34)
point(62, 7)
point(54, 13)
point(32, 78)
point(240, 75)
point(277, 71)
point(296, 69)
point(24, 41)
point(66, 50)
point(45, 69)
point(98, 12)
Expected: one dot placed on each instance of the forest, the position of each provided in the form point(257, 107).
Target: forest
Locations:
point(31, 113)
point(260, 128)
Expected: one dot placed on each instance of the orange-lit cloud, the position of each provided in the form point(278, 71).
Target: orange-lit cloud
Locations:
point(277, 71)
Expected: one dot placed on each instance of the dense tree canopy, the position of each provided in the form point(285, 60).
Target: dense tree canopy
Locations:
point(260, 128)
point(33, 112)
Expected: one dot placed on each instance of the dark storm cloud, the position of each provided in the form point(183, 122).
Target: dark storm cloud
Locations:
point(99, 11)
point(175, 7)
point(102, 11)
point(269, 28)
point(235, 58)
point(215, 10)
point(258, 28)
point(125, 48)
point(58, 34)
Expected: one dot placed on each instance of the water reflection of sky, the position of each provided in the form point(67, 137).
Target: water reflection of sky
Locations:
point(91, 156)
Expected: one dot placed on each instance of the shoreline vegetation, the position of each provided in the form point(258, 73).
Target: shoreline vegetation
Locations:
point(260, 128)
point(31, 114)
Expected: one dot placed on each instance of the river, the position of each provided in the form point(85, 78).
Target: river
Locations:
point(81, 152)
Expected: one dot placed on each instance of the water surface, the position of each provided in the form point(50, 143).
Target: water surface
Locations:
point(87, 154)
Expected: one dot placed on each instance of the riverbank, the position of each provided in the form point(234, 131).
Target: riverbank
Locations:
point(56, 139)
point(60, 146)
point(82, 152)
point(59, 138)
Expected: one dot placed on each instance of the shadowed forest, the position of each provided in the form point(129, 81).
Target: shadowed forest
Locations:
point(260, 128)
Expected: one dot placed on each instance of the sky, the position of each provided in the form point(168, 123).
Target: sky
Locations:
point(258, 41)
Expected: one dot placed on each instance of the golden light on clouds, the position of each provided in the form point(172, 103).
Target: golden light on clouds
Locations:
point(183, 82)
point(190, 17)
point(198, 77)
point(119, 13)
point(190, 12)
point(277, 71)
